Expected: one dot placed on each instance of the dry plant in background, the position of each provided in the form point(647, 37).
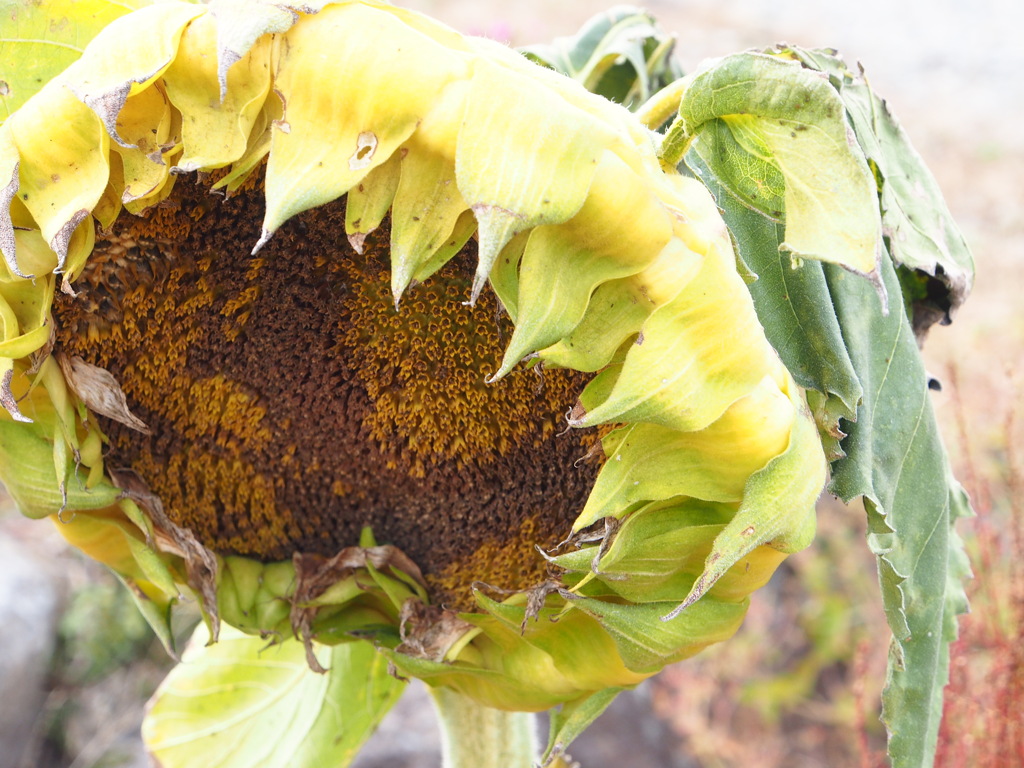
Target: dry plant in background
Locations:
point(983, 722)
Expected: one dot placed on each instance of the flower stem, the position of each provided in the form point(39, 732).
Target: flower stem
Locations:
point(475, 736)
point(662, 105)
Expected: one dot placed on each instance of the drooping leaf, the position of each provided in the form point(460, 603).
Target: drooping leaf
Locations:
point(834, 336)
point(242, 702)
point(896, 461)
point(768, 122)
point(922, 236)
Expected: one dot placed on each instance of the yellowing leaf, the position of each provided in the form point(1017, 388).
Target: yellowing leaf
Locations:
point(243, 702)
point(757, 121)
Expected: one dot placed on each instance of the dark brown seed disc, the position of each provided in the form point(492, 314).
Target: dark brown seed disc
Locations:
point(291, 405)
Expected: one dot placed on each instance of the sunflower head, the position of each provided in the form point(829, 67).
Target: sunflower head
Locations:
point(358, 329)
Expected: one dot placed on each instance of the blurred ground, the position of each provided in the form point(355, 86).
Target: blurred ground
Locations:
point(799, 686)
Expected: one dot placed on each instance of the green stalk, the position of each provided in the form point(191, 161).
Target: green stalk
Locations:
point(474, 736)
point(675, 144)
point(661, 106)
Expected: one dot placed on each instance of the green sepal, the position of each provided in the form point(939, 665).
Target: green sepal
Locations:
point(659, 551)
point(27, 470)
point(681, 376)
point(505, 274)
point(428, 204)
point(618, 309)
point(568, 721)
point(491, 687)
point(465, 228)
point(156, 608)
point(647, 643)
point(563, 264)
point(396, 590)
point(649, 462)
point(582, 651)
point(778, 508)
point(540, 176)
point(239, 578)
point(152, 565)
point(355, 620)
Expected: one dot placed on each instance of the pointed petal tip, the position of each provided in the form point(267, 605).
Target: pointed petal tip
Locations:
point(479, 281)
point(7, 399)
point(577, 415)
point(357, 240)
point(695, 594)
point(62, 240)
point(264, 239)
point(12, 262)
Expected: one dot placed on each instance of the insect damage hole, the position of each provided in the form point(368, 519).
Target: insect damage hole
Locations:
point(366, 148)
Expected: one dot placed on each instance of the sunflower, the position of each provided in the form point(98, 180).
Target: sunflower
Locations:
point(359, 330)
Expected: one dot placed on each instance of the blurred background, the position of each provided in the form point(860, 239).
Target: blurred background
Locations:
point(800, 684)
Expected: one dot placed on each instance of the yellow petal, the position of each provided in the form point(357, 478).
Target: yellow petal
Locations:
point(427, 203)
point(128, 55)
point(648, 462)
point(355, 84)
point(216, 121)
point(369, 201)
point(620, 229)
point(63, 170)
point(525, 157)
point(145, 124)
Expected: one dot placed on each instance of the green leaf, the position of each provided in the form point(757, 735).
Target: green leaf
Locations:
point(619, 54)
point(242, 702)
point(834, 337)
point(895, 459)
point(921, 233)
point(39, 41)
point(767, 121)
